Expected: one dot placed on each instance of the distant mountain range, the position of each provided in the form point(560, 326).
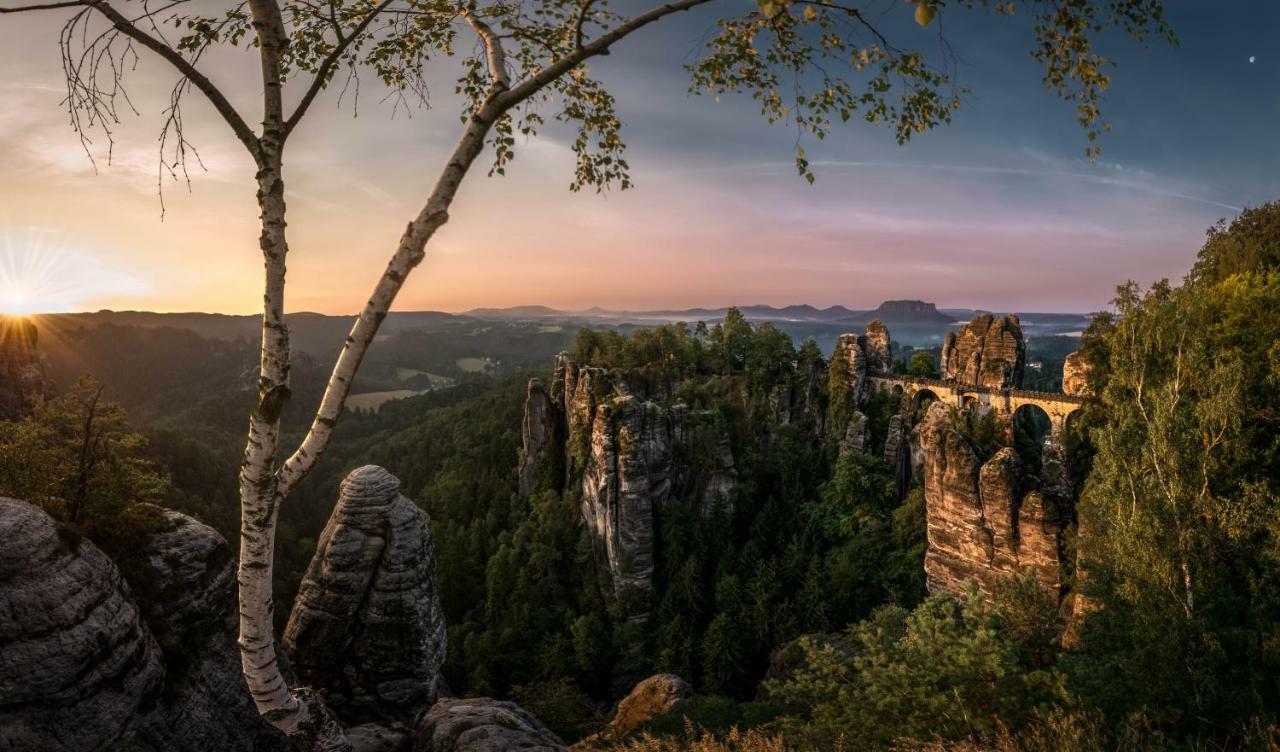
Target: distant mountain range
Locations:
point(896, 310)
point(911, 322)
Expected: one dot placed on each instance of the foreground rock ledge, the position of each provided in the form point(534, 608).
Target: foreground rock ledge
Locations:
point(482, 724)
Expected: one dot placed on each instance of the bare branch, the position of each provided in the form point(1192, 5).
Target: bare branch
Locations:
point(46, 6)
point(325, 70)
point(184, 66)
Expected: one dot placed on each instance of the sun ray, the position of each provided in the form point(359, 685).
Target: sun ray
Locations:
point(37, 275)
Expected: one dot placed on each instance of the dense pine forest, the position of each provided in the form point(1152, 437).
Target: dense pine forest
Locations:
point(796, 604)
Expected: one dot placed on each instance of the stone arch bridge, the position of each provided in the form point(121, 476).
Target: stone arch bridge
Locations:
point(1004, 402)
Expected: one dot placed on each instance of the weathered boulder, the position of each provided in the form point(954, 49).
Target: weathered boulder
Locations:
point(541, 441)
point(648, 700)
point(21, 378)
point(78, 666)
point(482, 724)
point(182, 578)
point(982, 525)
point(1075, 375)
point(377, 737)
point(988, 352)
point(140, 657)
point(367, 625)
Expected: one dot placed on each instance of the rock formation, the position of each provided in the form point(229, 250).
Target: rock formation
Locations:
point(988, 352)
point(21, 379)
point(897, 452)
point(1075, 375)
point(648, 700)
point(623, 447)
point(627, 476)
point(367, 625)
point(984, 522)
point(482, 725)
point(879, 347)
point(540, 439)
point(857, 435)
point(78, 667)
point(850, 357)
point(90, 663)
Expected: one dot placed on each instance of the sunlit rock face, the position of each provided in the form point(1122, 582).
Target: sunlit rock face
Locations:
point(1075, 375)
point(647, 700)
point(94, 659)
point(984, 521)
point(480, 724)
point(21, 378)
point(879, 348)
point(367, 625)
point(988, 351)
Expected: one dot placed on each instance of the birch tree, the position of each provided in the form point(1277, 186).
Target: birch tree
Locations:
point(808, 63)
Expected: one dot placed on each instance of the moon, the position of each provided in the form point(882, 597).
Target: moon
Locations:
point(1252, 58)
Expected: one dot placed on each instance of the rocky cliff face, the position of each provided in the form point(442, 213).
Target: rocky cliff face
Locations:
point(21, 378)
point(988, 352)
point(90, 663)
point(541, 438)
point(1075, 375)
point(628, 475)
point(623, 447)
point(367, 626)
point(985, 521)
point(879, 347)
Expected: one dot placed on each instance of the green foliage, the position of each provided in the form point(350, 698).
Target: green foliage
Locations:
point(76, 458)
point(923, 364)
point(1179, 517)
point(950, 669)
point(1250, 243)
point(710, 713)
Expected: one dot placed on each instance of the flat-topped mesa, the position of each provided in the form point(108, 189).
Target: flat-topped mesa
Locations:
point(367, 626)
point(21, 379)
point(987, 351)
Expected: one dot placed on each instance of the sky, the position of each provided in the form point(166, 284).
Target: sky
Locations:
point(998, 210)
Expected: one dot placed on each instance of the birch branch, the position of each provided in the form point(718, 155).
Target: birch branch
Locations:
point(411, 249)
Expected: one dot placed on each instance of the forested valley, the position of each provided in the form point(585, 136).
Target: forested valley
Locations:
point(787, 583)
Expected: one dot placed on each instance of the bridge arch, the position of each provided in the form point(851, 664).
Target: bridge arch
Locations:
point(921, 398)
